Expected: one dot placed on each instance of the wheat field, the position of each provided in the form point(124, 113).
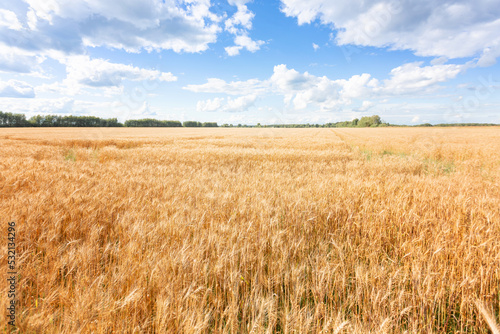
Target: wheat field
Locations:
point(377, 230)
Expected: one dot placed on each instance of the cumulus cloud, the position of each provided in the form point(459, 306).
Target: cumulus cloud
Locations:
point(439, 61)
point(63, 105)
point(299, 89)
point(132, 25)
point(357, 86)
point(19, 61)
point(412, 77)
point(366, 105)
point(215, 85)
point(291, 80)
point(451, 28)
point(210, 105)
point(489, 56)
point(41, 106)
point(239, 25)
point(243, 42)
point(102, 73)
point(241, 21)
point(302, 90)
point(15, 88)
point(239, 104)
point(82, 71)
point(9, 20)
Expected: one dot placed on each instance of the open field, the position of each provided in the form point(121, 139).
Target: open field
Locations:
point(158, 230)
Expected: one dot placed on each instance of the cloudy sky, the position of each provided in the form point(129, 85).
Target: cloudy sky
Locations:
point(240, 61)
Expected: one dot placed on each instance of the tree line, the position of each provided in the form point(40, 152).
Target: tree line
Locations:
point(366, 121)
point(150, 122)
point(19, 120)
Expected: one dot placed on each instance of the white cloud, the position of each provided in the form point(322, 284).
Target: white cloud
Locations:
point(20, 61)
point(16, 88)
point(243, 42)
point(59, 28)
point(304, 90)
point(366, 105)
point(239, 104)
point(290, 80)
point(241, 21)
point(41, 106)
point(239, 25)
point(489, 56)
point(412, 77)
point(451, 28)
point(81, 71)
point(439, 61)
point(132, 25)
point(64, 105)
point(215, 85)
point(300, 89)
point(233, 50)
point(101, 73)
point(358, 86)
point(144, 110)
point(315, 47)
point(210, 105)
point(9, 20)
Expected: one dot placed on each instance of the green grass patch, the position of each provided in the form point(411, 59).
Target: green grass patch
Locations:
point(439, 166)
point(367, 154)
point(69, 155)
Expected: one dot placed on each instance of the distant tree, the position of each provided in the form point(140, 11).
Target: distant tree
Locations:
point(365, 122)
point(19, 120)
point(368, 121)
point(13, 120)
point(72, 121)
point(191, 124)
point(149, 122)
point(376, 120)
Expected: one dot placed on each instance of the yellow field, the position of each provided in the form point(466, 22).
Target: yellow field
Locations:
point(378, 230)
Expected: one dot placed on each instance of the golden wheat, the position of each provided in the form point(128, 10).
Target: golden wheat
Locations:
point(386, 230)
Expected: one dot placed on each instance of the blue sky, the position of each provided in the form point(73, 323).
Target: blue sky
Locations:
point(240, 61)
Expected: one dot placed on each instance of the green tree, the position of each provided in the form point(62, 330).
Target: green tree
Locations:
point(13, 120)
point(368, 121)
point(191, 124)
